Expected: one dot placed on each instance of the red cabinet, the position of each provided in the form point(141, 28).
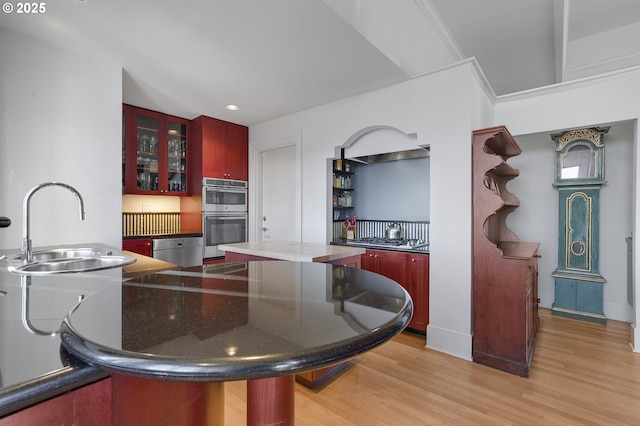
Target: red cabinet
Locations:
point(155, 152)
point(237, 152)
point(138, 245)
point(220, 150)
point(505, 269)
point(88, 405)
point(391, 264)
point(411, 271)
point(418, 288)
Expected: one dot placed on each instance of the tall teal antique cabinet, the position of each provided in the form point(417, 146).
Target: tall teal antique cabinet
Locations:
point(579, 177)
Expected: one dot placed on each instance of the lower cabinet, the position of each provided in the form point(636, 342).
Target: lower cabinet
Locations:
point(411, 271)
point(138, 245)
point(505, 317)
point(141, 401)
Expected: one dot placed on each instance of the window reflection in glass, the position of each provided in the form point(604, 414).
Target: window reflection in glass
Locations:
point(579, 163)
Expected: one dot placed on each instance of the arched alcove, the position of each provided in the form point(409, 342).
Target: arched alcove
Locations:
point(376, 140)
point(384, 189)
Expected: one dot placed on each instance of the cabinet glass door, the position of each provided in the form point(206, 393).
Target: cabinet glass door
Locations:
point(147, 152)
point(177, 157)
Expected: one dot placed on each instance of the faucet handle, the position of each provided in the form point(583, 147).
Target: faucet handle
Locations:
point(4, 222)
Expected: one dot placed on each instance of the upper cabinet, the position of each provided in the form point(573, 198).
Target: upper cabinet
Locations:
point(220, 150)
point(155, 148)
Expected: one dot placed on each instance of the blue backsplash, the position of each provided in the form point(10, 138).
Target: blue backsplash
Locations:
point(392, 190)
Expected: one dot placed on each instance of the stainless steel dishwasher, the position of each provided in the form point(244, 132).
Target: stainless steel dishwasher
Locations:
point(183, 251)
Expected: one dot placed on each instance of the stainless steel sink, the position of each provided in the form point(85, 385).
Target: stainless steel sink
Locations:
point(70, 260)
point(69, 253)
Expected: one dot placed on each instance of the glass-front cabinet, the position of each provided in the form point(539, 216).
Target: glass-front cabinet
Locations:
point(177, 156)
point(155, 160)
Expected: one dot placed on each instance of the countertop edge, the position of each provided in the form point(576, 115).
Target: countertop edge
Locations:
point(312, 255)
point(26, 394)
point(201, 372)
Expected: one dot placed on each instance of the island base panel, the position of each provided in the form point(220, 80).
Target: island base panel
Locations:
point(138, 401)
point(313, 378)
point(271, 401)
point(88, 405)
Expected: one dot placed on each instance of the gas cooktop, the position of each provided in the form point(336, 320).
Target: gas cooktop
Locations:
point(390, 243)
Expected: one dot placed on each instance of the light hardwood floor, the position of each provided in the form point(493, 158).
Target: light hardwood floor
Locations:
point(582, 373)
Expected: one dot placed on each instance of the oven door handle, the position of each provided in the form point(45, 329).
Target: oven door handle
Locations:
point(225, 189)
point(230, 215)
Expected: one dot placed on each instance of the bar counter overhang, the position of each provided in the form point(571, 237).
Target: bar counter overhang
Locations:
point(182, 334)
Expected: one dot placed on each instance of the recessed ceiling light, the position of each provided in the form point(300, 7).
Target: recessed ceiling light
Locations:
point(232, 107)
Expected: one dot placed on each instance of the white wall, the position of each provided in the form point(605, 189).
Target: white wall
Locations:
point(60, 120)
point(443, 120)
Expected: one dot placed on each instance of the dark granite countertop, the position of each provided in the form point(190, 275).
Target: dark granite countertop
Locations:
point(236, 321)
point(216, 306)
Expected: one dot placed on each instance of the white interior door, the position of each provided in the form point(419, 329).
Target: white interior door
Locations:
point(279, 200)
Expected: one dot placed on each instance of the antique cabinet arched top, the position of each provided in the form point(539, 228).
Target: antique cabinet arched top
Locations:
point(580, 156)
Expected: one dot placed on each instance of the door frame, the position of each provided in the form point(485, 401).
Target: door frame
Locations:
point(255, 183)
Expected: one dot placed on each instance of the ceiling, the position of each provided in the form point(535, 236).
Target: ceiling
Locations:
point(277, 57)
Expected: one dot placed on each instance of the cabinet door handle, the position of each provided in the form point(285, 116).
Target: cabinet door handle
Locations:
point(538, 300)
point(413, 260)
point(537, 256)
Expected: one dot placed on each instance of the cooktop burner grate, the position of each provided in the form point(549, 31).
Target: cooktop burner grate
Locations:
point(385, 242)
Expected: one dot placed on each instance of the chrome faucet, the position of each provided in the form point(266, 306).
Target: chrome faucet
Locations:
point(27, 254)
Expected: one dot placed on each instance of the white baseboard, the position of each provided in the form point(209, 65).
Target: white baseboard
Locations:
point(449, 342)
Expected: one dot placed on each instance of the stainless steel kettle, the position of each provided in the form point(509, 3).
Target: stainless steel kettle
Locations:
point(394, 232)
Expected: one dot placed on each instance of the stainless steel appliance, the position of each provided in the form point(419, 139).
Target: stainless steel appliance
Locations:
point(397, 243)
point(224, 195)
point(394, 232)
point(220, 228)
point(183, 251)
point(224, 214)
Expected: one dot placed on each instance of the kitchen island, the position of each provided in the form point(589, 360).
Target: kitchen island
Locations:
point(292, 251)
point(235, 326)
point(258, 321)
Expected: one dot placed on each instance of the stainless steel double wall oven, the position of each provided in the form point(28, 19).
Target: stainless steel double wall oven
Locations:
point(224, 214)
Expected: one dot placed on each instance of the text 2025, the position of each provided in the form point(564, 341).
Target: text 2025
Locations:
point(31, 7)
